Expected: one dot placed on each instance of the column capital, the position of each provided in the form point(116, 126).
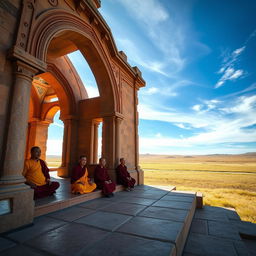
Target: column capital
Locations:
point(23, 70)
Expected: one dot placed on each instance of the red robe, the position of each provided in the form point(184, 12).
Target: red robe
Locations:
point(45, 190)
point(122, 175)
point(100, 176)
point(77, 173)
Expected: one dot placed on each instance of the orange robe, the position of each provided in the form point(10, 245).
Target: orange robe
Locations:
point(76, 186)
point(37, 172)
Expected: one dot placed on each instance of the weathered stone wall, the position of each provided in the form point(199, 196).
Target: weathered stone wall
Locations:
point(127, 133)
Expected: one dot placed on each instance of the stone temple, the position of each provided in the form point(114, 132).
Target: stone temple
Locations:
point(36, 37)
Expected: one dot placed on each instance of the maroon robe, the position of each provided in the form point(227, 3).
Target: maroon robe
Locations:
point(122, 175)
point(45, 190)
point(100, 176)
point(77, 173)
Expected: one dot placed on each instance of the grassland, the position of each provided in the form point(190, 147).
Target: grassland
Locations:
point(225, 180)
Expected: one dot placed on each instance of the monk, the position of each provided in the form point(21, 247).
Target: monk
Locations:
point(37, 175)
point(123, 176)
point(80, 183)
point(103, 180)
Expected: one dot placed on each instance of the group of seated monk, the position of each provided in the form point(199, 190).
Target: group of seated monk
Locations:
point(37, 177)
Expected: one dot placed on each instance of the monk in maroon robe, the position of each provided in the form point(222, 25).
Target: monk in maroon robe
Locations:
point(123, 176)
point(37, 175)
point(102, 179)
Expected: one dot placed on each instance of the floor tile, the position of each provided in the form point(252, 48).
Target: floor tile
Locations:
point(126, 245)
point(67, 240)
point(71, 214)
point(223, 230)
point(163, 230)
point(21, 250)
point(125, 208)
point(199, 226)
point(178, 198)
point(41, 225)
point(209, 213)
point(208, 246)
point(138, 200)
point(96, 203)
point(173, 204)
point(105, 220)
point(165, 213)
point(5, 244)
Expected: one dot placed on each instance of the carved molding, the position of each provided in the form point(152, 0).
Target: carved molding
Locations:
point(53, 3)
point(22, 69)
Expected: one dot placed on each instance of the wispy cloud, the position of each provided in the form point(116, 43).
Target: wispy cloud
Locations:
point(168, 32)
point(218, 126)
point(229, 69)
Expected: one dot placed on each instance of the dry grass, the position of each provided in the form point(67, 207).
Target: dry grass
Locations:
point(225, 181)
point(225, 187)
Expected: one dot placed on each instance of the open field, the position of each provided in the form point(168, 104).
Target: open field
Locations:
point(225, 180)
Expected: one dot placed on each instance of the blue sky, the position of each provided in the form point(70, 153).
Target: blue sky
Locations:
point(199, 62)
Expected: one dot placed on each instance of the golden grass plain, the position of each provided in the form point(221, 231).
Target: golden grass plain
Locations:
point(225, 180)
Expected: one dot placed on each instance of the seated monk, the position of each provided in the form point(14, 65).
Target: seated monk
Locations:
point(123, 176)
point(103, 180)
point(80, 184)
point(37, 175)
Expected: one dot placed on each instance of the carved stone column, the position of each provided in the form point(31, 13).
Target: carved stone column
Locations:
point(117, 140)
point(108, 144)
point(68, 148)
point(95, 141)
point(17, 128)
point(38, 134)
point(17, 195)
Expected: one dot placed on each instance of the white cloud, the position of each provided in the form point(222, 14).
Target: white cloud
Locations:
point(168, 30)
point(230, 61)
point(229, 74)
point(217, 127)
point(197, 107)
point(243, 105)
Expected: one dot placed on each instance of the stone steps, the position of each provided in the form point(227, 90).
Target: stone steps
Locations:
point(48, 205)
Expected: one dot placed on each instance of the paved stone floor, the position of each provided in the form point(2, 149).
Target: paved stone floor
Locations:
point(215, 231)
point(146, 221)
point(130, 223)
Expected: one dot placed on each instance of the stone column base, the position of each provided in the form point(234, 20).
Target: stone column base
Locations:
point(140, 174)
point(17, 208)
point(63, 172)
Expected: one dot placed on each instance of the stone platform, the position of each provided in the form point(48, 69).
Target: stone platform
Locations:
point(146, 221)
point(151, 220)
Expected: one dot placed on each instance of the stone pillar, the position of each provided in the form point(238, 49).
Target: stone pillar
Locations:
point(37, 136)
point(86, 139)
point(12, 188)
point(68, 148)
point(140, 172)
point(108, 144)
point(95, 142)
point(117, 140)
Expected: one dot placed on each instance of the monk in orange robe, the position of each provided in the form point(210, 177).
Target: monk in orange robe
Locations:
point(37, 175)
point(80, 183)
point(123, 176)
point(103, 180)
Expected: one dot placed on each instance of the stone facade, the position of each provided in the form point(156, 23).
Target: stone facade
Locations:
point(35, 38)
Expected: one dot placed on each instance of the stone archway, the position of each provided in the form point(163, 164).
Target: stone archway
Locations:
point(35, 46)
